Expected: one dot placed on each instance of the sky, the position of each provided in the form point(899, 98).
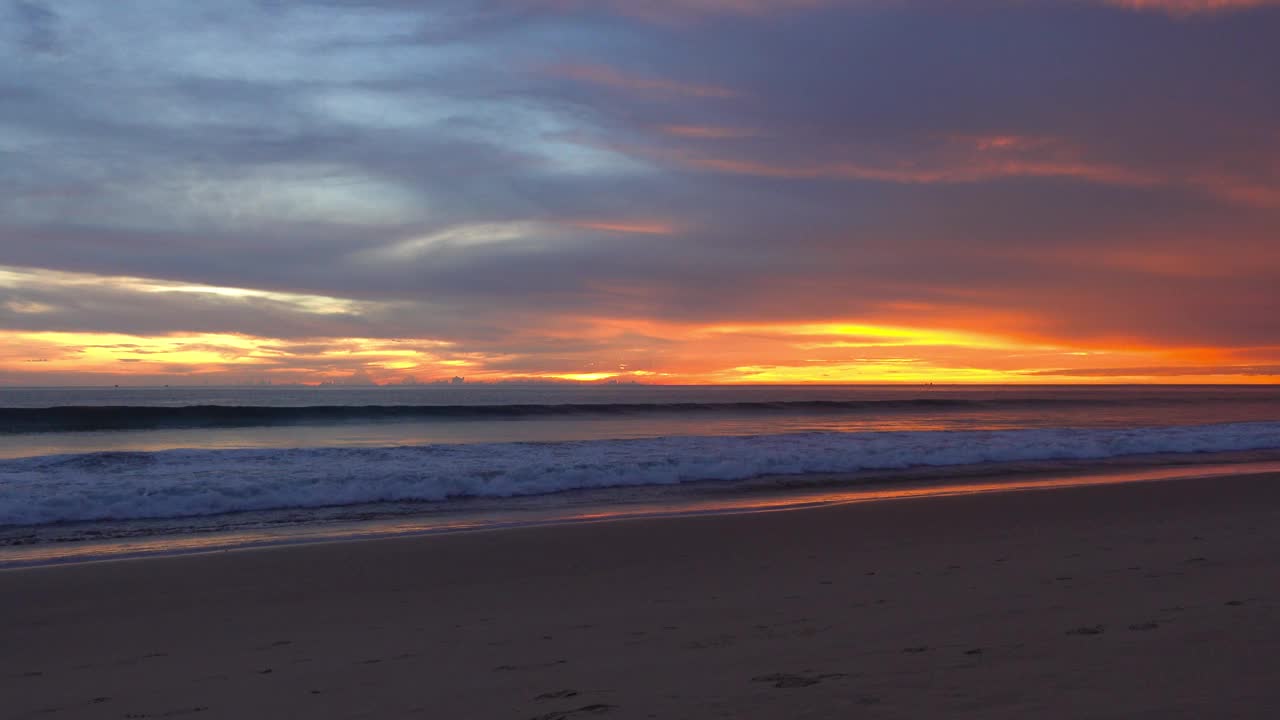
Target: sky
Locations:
point(660, 191)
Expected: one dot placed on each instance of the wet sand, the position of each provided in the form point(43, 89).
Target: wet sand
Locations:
point(1144, 600)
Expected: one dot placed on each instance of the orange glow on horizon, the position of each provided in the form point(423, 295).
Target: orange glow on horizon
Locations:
point(801, 353)
point(902, 342)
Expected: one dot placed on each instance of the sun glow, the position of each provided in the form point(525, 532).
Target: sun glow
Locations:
point(963, 346)
point(852, 335)
point(827, 353)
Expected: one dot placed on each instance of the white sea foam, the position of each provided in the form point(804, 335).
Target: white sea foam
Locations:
point(178, 483)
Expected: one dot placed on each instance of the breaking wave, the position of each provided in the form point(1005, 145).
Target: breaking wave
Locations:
point(182, 483)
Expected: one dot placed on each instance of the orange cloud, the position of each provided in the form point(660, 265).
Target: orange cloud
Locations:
point(1264, 373)
point(708, 132)
point(1189, 7)
point(1001, 143)
point(614, 226)
point(223, 357)
point(1242, 191)
point(966, 339)
point(821, 352)
point(956, 159)
point(607, 76)
point(905, 172)
point(943, 159)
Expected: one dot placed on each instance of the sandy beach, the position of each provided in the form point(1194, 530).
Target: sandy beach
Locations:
point(1145, 600)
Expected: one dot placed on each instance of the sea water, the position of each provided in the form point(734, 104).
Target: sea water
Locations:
point(93, 463)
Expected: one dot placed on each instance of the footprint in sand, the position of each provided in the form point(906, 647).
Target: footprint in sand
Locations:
point(530, 666)
point(557, 695)
point(176, 712)
point(719, 641)
point(596, 709)
point(789, 680)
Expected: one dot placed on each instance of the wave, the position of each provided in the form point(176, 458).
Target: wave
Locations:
point(182, 483)
point(138, 417)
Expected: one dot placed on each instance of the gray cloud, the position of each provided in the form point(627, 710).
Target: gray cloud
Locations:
point(1064, 170)
point(37, 26)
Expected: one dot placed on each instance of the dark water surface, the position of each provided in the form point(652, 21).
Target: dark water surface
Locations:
point(88, 464)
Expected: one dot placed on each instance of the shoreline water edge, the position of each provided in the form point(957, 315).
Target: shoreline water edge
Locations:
point(97, 471)
point(63, 543)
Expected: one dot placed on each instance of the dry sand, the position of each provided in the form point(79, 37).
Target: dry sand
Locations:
point(1148, 600)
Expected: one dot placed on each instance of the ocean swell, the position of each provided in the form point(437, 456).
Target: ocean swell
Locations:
point(93, 418)
point(179, 483)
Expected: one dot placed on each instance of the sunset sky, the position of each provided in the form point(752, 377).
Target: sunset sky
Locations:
point(668, 191)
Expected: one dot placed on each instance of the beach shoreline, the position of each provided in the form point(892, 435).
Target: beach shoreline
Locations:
point(97, 542)
point(1142, 599)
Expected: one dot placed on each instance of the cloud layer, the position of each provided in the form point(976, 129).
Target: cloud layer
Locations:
point(538, 188)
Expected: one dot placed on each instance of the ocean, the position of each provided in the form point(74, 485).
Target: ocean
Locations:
point(89, 472)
